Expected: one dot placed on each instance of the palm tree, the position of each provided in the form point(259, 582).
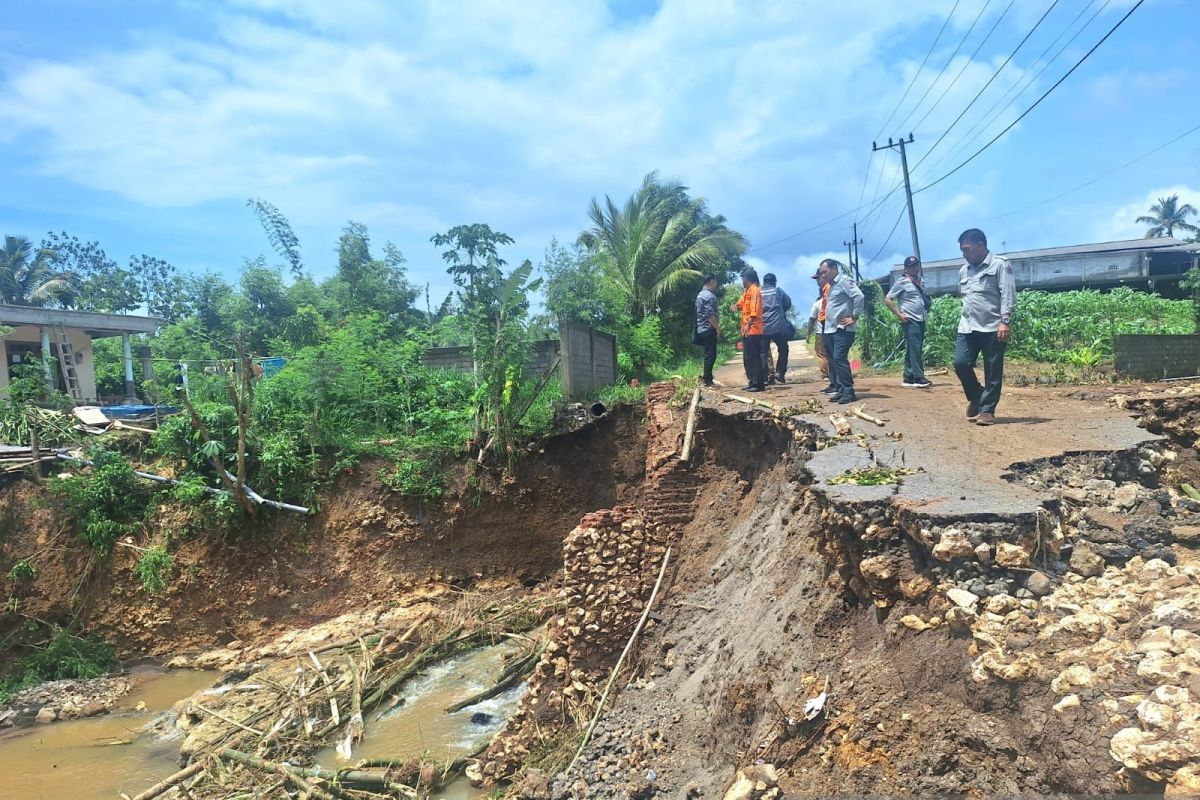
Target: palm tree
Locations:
point(1166, 215)
point(659, 240)
point(26, 278)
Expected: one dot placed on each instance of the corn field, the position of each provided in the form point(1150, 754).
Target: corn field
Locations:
point(1076, 328)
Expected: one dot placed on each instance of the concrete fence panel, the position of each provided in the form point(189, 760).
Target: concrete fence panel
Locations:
point(1153, 357)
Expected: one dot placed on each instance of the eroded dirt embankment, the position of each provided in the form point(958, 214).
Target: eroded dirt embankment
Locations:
point(366, 547)
point(809, 645)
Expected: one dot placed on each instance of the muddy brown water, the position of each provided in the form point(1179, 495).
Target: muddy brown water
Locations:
point(99, 758)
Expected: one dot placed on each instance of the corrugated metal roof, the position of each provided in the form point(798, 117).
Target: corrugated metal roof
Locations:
point(1161, 243)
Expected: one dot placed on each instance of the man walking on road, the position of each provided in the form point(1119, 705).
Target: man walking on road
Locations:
point(707, 329)
point(750, 307)
point(989, 293)
point(776, 328)
point(843, 307)
point(909, 302)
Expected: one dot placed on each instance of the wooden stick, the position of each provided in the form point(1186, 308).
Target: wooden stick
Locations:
point(170, 781)
point(691, 426)
point(662, 570)
point(840, 424)
point(858, 412)
point(224, 718)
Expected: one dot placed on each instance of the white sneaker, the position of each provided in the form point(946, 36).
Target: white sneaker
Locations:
point(908, 385)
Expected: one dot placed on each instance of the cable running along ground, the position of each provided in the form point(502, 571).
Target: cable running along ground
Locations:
point(995, 75)
point(1037, 102)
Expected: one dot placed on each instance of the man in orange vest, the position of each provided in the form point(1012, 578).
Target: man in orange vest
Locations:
point(750, 307)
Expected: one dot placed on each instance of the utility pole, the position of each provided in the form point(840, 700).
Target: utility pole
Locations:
point(912, 216)
point(852, 252)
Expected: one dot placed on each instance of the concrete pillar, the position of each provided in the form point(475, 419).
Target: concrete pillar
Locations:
point(47, 369)
point(147, 363)
point(130, 388)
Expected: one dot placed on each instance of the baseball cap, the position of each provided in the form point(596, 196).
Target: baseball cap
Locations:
point(816, 274)
point(912, 261)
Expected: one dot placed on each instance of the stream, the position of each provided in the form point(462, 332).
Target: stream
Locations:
point(121, 752)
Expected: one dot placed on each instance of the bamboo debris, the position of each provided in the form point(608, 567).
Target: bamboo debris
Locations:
point(166, 784)
point(509, 678)
point(691, 426)
point(858, 412)
point(840, 424)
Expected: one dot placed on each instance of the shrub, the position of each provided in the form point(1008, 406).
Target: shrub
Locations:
point(63, 656)
point(23, 570)
point(105, 501)
point(415, 477)
point(151, 567)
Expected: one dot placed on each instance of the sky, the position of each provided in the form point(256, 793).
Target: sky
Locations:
point(147, 124)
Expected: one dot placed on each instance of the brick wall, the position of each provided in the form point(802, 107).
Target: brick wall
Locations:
point(1152, 357)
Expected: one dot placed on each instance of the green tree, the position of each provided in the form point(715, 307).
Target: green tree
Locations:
point(97, 282)
point(364, 284)
point(659, 241)
point(26, 276)
point(470, 248)
point(1166, 215)
point(576, 291)
point(279, 233)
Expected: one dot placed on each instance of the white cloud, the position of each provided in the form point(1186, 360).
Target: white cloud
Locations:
point(1122, 224)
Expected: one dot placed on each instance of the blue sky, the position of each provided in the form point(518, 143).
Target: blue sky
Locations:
point(146, 125)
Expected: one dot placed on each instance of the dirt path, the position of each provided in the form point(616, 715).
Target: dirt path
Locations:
point(964, 464)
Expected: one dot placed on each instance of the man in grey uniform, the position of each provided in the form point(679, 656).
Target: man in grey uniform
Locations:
point(989, 293)
point(776, 329)
point(842, 309)
point(909, 302)
point(707, 329)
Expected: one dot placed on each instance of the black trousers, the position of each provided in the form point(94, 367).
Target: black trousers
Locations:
point(827, 340)
point(752, 360)
point(780, 340)
point(914, 343)
point(708, 340)
point(967, 348)
point(839, 359)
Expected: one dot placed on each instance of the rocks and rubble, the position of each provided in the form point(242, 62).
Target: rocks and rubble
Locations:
point(65, 699)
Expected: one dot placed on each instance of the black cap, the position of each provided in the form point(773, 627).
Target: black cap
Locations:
point(816, 274)
point(912, 261)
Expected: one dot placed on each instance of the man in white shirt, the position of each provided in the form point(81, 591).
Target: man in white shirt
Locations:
point(989, 294)
point(909, 302)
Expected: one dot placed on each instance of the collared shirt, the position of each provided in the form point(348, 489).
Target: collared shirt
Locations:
point(911, 298)
point(815, 314)
point(989, 293)
point(706, 310)
point(845, 300)
point(751, 307)
point(776, 304)
point(824, 303)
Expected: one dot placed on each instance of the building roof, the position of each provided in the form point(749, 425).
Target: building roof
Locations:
point(95, 323)
point(1158, 244)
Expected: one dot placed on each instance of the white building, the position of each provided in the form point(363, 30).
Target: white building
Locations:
point(61, 340)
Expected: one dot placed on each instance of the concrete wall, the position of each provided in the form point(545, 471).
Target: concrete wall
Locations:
point(1152, 357)
point(81, 342)
point(588, 359)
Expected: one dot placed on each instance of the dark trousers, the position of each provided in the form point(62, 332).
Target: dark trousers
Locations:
point(708, 340)
point(827, 340)
point(780, 340)
point(839, 359)
point(752, 359)
point(914, 343)
point(967, 348)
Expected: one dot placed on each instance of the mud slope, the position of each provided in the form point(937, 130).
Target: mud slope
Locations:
point(366, 545)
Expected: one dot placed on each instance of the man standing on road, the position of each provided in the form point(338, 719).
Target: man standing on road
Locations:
point(776, 328)
point(843, 307)
point(989, 293)
point(707, 329)
point(750, 307)
point(909, 302)
point(818, 315)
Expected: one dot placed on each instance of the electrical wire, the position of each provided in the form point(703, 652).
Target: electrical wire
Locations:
point(987, 118)
point(970, 60)
point(995, 75)
point(917, 74)
point(1037, 102)
point(945, 66)
point(1098, 178)
point(888, 240)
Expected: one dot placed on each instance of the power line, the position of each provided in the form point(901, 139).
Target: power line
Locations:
point(1098, 178)
point(1037, 102)
point(904, 97)
point(945, 66)
point(987, 118)
point(968, 63)
point(888, 240)
point(995, 75)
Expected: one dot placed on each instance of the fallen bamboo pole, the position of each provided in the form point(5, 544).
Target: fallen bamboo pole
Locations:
point(294, 775)
point(662, 570)
point(509, 678)
point(166, 784)
point(691, 426)
point(858, 412)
